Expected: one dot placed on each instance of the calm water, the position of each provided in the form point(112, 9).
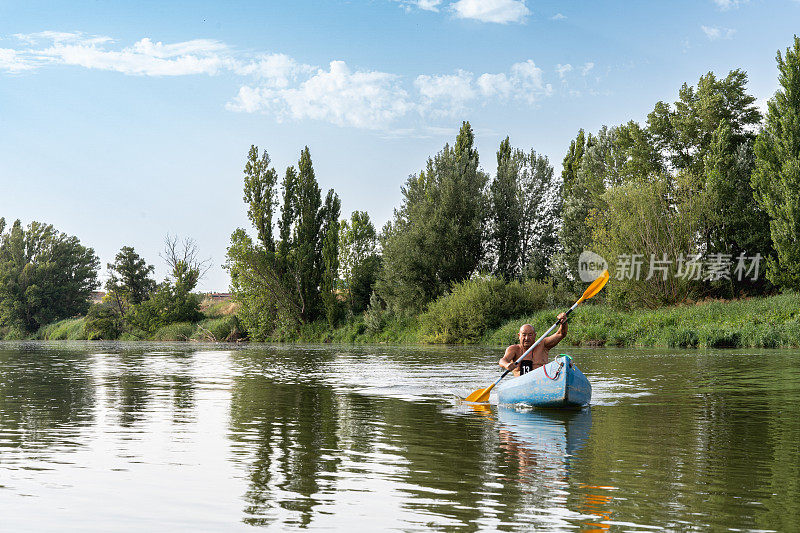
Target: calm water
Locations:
point(132, 437)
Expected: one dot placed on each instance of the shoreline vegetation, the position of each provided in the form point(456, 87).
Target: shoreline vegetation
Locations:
point(761, 322)
point(697, 205)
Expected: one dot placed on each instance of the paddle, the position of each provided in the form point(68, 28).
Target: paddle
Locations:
point(482, 395)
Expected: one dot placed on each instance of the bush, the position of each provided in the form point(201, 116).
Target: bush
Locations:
point(103, 322)
point(476, 305)
point(167, 306)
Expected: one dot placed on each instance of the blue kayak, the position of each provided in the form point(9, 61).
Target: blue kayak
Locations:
point(559, 383)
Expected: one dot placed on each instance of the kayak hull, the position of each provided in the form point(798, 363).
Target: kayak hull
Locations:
point(558, 384)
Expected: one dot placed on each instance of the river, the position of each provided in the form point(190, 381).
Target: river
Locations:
point(177, 437)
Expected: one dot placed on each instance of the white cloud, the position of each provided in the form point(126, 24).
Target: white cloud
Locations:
point(495, 85)
point(364, 99)
point(563, 69)
point(558, 16)
point(279, 85)
point(275, 70)
point(587, 67)
point(447, 93)
point(11, 61)
point(729, 4)
point(425, 5)
point(145, 57)
point(499, 11)
point(715, 33)
point(62, 37)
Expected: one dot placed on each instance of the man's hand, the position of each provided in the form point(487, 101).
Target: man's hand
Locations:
point(562, 318)
point(511, 366)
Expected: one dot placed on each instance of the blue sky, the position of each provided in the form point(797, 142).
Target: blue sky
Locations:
point(124, 121)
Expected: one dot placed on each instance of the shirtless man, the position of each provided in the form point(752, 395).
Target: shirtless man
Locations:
point(538, 356)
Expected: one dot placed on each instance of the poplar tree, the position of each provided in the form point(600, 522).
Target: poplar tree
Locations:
point(307, 237)
point(330, 257)
point(506, 213)
point(776, 178)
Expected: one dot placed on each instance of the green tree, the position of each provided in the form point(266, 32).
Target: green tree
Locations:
point(45, 276)
point(776, 178)
point(260, 195)
point(637, 221)
point(684, 133)
point(541, 201)
point(733, 222)
point(129, 280)
point(506, 212)
point(583, 179)
point(173, 300)
point(307, 238)
point(330, 258)
point(283, 283)
point(524, 206)
point(359, 262)
point(436, 237)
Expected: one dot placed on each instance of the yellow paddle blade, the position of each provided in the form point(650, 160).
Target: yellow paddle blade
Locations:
point(480, 395)
point(596, 286)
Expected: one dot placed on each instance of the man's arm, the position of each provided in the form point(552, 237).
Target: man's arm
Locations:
point(555, 338)
point(507, 360)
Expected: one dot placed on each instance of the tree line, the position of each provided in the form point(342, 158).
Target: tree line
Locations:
point(706, 177)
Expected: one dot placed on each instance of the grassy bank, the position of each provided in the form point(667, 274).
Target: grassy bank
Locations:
point(768, 322)
point(207, 330)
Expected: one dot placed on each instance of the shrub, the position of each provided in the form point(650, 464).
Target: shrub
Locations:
point(476, 305)
point(167, 306)
point(103, 322)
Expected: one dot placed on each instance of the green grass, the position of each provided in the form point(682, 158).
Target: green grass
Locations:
point(217, 329)
point(69, 329)
point(770, 322)
point(766, 322)
point(179, 331)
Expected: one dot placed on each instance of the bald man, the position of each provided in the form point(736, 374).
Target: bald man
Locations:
point(538, 356)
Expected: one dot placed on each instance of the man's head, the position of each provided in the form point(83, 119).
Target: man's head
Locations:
point(526, 336)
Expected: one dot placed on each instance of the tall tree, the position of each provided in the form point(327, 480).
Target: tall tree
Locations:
point(281, 283)
point(129, 280)
point(541, 201)
point(506, 213)
point(260, 195)
point(583, 183)
point(308, 237)
point(776, 179)
point(525, 205)
point(330, 257)
point(45, 276)
point(359, 262)
point(436, 237)
point(684, 133)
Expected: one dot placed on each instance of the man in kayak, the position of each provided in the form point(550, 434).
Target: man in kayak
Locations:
point(538, 356)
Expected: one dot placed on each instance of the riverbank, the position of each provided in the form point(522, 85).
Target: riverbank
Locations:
point(766, 322)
